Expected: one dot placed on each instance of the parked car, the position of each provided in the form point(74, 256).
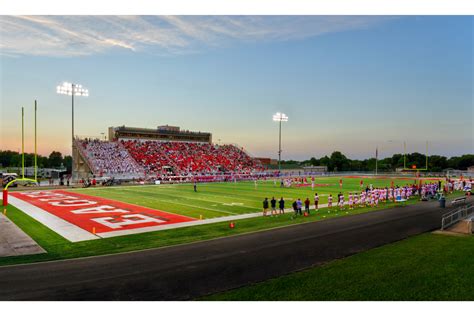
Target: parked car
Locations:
point(6, 177)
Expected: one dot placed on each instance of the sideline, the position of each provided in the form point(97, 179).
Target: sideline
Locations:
point(184, 244)
point(67, 230)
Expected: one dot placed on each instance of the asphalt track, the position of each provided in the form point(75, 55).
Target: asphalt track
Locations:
point(193, 270)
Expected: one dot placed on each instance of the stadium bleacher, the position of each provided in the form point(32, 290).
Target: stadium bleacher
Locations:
point(109, 158)
point(163, 159)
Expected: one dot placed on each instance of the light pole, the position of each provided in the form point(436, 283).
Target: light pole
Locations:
point(72, 89)
point(279, 117)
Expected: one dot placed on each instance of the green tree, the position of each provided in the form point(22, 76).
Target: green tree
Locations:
point(67, 161)
point(314, 162)
point(340, 161)
point(55, 159)
point(326, 161)
point(466, 161)
point(437, 163)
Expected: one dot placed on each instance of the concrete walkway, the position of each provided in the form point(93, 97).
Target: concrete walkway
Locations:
point(14, 242)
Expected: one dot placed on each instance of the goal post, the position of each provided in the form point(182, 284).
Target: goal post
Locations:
point(414, 167)
point(23, 178)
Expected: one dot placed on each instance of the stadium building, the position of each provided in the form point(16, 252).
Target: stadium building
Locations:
point(161, 133)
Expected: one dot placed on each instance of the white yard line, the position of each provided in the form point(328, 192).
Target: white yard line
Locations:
point(192, 223)
point(69, 231)
point(201, 199)
point(185, 204)
point(74, 233)
point(178, 225)
point(190, 205)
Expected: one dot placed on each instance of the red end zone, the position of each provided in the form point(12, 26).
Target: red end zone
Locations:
point(89, 212)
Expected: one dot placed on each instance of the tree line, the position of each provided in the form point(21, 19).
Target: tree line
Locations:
point(55, 159)
point(337, 161)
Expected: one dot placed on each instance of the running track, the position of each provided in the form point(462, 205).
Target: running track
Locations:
point(189, 271)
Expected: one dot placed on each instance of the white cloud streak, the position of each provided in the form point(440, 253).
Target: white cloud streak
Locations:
point(70, 36)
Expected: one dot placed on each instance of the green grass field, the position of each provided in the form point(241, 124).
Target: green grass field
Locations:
point(211, 200)
point(224, 199)
point(425, 267)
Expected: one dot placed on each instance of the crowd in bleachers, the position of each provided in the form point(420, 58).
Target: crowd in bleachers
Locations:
point(186, 158)
point(109, 158)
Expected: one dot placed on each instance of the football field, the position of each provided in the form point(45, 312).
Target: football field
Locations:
point(127, 218)
point(104, 212)
point(228, 198)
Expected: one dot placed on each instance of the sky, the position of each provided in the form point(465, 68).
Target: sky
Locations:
point(347, 83)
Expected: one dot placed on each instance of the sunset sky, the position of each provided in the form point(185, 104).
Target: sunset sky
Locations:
point(347, 83)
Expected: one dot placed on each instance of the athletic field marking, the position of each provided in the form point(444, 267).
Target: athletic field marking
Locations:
point(187, 224)
point(87, 216)
point(190, 205)
point(67, 230)
point(207, 192)
point(180, 225)
point(123, 232)
point(197, 198)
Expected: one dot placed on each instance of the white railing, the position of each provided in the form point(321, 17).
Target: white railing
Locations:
point(456, 216)
point(83, 153)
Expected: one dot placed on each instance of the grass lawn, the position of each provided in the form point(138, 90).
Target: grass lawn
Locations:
point(425, 267)
point(228, 198)
point(213, 199)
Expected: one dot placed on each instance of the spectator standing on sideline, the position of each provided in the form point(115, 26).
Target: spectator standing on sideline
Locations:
point(265, 206)
point(330, 201)
point(316, 201)
point(295, 207)
point(273, 204)
point(300, 206)
point(281, 204)
point(306, 205)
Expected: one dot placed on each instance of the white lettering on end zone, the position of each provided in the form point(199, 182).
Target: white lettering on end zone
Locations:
point(79, 217)
point(58, 199)
point(127, 220)
point(72, 202)
point(100, 209)
point(69, 231)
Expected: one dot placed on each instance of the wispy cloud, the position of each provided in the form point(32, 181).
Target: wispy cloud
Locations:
point(68, 36)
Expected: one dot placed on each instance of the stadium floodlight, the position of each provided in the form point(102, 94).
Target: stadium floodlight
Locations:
point(72, 89)
point(279, 117)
